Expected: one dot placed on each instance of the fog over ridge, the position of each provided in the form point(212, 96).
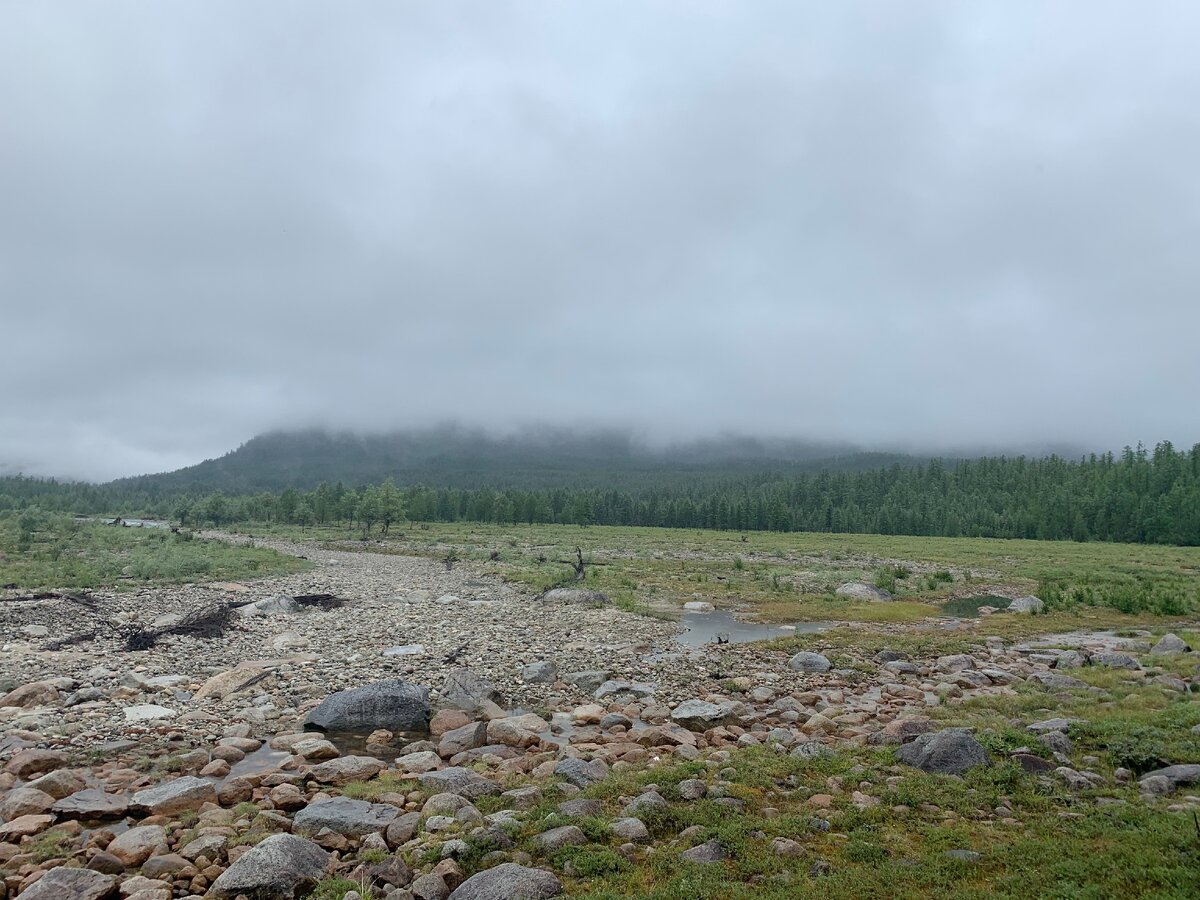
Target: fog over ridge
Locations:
point(927, 226)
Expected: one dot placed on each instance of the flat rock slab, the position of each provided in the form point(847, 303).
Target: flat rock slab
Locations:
point(92, 803)
point(280, 867)
point(63, 883)
point(351, 818)
point(457, 780)
point(232, 682)
point(581, 772)
point(23, 826)
point(148, 712)
point(175, 796)
point(509, 881)
point(345, 769)
point(809, 662)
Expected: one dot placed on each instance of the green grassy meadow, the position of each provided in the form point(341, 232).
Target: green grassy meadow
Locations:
point(59, 552)
point(792, 577)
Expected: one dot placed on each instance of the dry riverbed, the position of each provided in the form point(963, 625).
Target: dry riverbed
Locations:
point(576, 749)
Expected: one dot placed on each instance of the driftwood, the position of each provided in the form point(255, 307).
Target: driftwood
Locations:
point(321, 601)
point(207, 623)
point(85, 600)
point(41, 595)
point(70, 640)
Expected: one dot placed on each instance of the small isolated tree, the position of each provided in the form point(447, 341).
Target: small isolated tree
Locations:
point(368, 508)
point(391, 504)
point(216, 508)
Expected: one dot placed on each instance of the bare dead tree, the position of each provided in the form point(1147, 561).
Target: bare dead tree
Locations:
point(577, 565)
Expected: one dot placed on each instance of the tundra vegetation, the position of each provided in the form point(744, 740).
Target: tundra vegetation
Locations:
point(803, 783)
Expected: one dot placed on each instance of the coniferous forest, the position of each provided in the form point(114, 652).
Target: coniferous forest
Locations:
point(1140, 495)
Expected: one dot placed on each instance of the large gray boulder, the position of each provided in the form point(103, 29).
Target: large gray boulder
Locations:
point(63, 883)
point(951, 751)
point(1171, 643)
point(809, 662)
point(857, 590)
point(509, 881)
point(1178, 776)
point(708, 852)
point(1030, 604)
point(581, 772)
point(460, 740)
point(557, 838)
point(544, 671)
point(280, 867)
point(351, 818)
point(394, 705)
point(466, 690)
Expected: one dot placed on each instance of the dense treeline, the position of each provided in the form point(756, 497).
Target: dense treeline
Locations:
point(1137, 496)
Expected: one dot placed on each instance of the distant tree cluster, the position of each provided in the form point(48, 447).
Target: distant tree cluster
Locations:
point(1138, 496)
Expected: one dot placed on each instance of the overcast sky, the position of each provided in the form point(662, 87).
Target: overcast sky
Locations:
point(905, 223)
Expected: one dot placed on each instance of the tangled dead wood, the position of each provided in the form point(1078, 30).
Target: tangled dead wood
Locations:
point(206, 623)
point(320, 601)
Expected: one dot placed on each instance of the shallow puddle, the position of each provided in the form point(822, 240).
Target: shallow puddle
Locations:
point(264, 759)
point(705, 628)
point(354, 743)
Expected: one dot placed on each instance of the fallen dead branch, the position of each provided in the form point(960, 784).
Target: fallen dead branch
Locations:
point(206, 623)
point(41, 595)
point(70, 640)
point(321, 601)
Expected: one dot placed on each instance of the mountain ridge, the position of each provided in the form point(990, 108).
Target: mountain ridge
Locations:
point(458, 456)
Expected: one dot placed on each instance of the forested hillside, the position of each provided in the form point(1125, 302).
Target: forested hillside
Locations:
point(1137, 496)
point(457, 457)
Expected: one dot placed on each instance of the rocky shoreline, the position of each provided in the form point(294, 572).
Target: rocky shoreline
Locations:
point(186, 769)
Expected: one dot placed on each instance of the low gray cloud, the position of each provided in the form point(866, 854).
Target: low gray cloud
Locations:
point(920, 224)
